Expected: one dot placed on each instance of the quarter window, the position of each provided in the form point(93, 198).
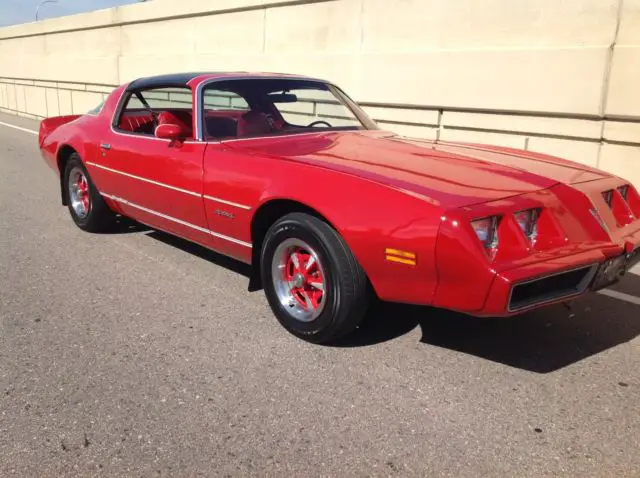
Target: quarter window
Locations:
point(96, 110)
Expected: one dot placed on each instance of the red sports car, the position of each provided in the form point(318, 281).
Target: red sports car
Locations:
point(288, 174)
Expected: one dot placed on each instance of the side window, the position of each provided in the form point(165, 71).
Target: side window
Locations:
point(222, 109)
point(145, 109)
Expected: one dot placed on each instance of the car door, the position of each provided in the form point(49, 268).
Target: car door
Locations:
point(231, 189)
point(155, 181)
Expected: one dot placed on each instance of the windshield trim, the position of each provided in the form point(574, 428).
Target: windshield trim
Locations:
point(359, 113)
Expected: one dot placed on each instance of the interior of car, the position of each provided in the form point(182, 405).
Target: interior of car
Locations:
point(218, 123)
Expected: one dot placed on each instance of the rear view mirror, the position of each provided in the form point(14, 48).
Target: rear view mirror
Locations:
point(282, 98)
point(169, 131)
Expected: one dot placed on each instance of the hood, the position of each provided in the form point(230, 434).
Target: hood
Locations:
point(450, 174)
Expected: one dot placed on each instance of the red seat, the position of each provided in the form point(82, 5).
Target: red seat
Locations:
point(135, 123)
point(182, 118)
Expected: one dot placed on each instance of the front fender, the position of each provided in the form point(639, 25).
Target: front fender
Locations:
point(378, 222)
point(371, 217)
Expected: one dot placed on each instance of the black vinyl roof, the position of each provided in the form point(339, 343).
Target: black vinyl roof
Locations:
point(180, 80)
point(175, 80)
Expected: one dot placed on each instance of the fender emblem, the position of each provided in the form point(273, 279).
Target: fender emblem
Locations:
point(222, 213)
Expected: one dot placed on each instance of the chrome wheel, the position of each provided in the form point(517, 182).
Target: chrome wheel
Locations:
point(79, 192)
point(299, 279)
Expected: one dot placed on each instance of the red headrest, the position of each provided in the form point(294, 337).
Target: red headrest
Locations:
point(253, 123)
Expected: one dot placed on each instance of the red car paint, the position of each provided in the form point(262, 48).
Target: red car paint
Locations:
point(379, 190)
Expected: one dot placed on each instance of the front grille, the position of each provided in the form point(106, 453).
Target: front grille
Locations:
point(551, 288)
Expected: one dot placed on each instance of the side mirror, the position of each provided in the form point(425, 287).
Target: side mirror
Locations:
point(169, 131)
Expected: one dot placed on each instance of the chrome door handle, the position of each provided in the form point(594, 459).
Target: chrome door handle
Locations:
point(105, 146)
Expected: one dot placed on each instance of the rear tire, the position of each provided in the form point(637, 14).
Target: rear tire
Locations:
point(314, 284)
point(86, 206)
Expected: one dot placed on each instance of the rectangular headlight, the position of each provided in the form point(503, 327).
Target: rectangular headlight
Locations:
point(624, 191)
point(528, 222)
point(487, 231)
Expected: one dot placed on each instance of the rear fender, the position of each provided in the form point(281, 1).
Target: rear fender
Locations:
point(64, 150)
point(49, 125)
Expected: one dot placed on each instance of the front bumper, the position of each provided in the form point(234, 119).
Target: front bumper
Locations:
point(558, 280)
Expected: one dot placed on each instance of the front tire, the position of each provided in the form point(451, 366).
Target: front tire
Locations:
point(86, 206)
point(314, 284)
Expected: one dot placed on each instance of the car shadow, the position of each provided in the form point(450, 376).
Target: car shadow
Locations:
point(540, 341)
point(201, 252)
point(124, 225)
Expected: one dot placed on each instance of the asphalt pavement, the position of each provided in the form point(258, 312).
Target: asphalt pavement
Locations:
point(138, 354)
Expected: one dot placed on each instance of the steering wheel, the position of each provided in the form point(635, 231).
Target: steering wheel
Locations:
point(311, 125)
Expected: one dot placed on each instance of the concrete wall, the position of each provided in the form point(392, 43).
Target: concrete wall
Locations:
point(557, 76)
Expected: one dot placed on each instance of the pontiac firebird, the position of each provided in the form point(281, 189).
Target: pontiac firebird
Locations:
point(288, 174)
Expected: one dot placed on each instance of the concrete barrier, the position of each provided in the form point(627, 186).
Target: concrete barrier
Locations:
point(559, 77)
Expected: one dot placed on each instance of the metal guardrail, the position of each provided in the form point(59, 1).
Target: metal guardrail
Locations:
point(98, 88)
point(366, 104)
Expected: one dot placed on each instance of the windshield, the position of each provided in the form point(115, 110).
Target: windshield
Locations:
point(266, 107)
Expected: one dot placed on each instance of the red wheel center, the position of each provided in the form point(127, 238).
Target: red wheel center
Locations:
point(83, 190)
point(305, 278)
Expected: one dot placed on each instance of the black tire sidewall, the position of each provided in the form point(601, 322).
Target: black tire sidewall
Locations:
point(318, 329)
point(88, 221)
